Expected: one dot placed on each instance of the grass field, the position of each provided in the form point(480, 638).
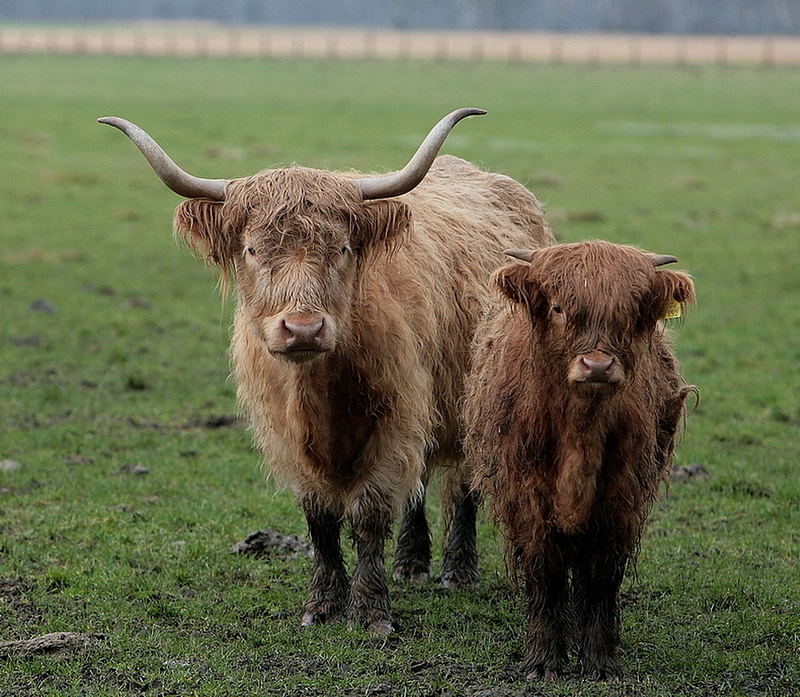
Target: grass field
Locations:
point(113, 353)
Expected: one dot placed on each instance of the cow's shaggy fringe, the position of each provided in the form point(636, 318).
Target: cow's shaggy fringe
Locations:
point(570, 469)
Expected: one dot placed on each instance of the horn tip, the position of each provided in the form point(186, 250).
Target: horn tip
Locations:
point(472, 111)
point(662, 259)
point(521, 254)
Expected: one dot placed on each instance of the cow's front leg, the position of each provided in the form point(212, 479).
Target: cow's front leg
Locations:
point(327, 598)
point(371, 520)
point(412, 556)
point(460, 563)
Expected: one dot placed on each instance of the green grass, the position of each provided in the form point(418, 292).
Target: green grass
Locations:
point(703, 164)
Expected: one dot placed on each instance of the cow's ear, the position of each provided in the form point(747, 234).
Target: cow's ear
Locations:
point(380, 223)
point(516, 282)
point(671, 290)
point(199, 223)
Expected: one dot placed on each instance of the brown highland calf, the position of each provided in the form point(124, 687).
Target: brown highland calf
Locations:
point(351, 341)
point(571, 411)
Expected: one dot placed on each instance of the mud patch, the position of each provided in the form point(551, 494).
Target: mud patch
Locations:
point(217, 421)
point(272, 544)
point(57, 642)
point(133, 468)
point(28, 341)
point(685, 473)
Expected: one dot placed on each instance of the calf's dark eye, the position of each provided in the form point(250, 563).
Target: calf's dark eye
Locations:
point(557, 309)
point(250, 250)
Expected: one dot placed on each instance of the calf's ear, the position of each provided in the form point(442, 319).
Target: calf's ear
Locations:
point(671, 287)
point(382, 222)
point(514, 282)
point(199, 223)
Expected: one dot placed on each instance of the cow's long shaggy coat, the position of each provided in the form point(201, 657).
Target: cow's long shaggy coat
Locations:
point(571, 462)
point(401, 284)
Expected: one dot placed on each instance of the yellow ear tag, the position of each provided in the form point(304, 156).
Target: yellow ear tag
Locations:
point(673, 310)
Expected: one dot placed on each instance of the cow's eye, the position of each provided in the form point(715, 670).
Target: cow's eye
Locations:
point(250, 251)
point(345, 250)
point(556, 309)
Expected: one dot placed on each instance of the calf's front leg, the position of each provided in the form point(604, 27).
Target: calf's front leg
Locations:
point(596, 581)
point(546, 590)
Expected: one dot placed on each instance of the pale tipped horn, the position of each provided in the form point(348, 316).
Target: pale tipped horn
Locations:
point(182, 183)
point(661, 259)
point(398, 183)
point(522, 254)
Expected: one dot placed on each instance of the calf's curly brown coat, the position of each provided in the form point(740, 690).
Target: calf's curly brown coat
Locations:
point(571, 412)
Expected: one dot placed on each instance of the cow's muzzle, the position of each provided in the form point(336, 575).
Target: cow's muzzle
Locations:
point(596, 368)
point(302, 337)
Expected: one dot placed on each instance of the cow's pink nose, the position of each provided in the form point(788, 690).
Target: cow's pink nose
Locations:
point(302, 334)
point(597, 369)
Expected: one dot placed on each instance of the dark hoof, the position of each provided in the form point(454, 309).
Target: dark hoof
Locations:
point(461, 578)
point(377, 627)
point(322, 613)
point(542, 673)
point(314, 617)
point(411, 573)
point(608, 670)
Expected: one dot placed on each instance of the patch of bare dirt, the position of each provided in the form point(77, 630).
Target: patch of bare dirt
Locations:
point(270, 544)
point(133, 468)
point(57, 642)
point(686, 473)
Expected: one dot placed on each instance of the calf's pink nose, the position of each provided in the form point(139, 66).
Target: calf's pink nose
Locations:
point(596, 367)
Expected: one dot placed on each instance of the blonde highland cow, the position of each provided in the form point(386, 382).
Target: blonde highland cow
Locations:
point(357, 300)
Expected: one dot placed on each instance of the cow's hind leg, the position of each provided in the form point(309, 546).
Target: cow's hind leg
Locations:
point(328, 594)
point(597, 577)
point(371, 520)
point(460, 563)
point(546, 590)
point(412, 557)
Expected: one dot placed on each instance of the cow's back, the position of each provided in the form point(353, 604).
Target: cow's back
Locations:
point(463, 220)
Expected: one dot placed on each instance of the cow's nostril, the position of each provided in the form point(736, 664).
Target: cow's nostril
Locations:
point(594, 366)
point(302, 332)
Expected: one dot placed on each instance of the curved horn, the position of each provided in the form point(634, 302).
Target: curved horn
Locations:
point(174, 177)
point(523, 254)
point(661, 259)
point(398, 183)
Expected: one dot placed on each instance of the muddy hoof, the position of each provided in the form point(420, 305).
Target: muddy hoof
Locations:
point(311, 618)
point(608, 670)
point(546, 674)
point(315, 617)
point(461, 578)
point(410, 575)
